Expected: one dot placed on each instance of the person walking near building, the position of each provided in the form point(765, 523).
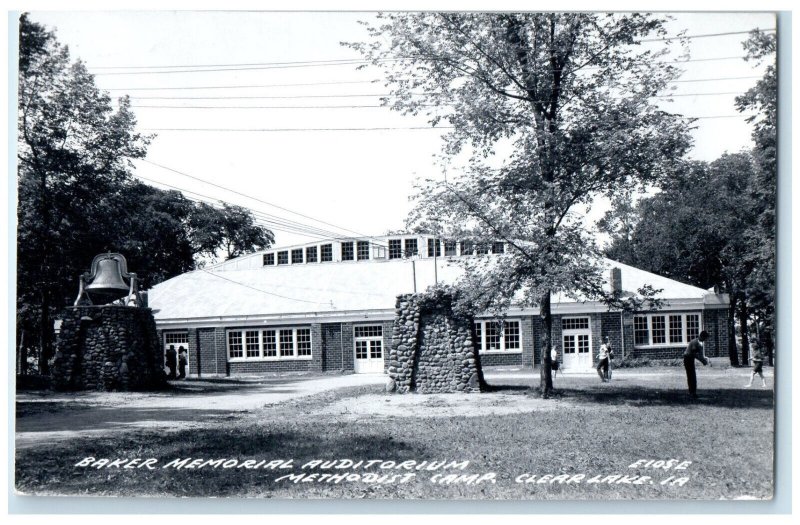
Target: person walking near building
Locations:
point(183, 359)
point(172, 356)
point(694, 351)
point(758, 368)
point(603, 358)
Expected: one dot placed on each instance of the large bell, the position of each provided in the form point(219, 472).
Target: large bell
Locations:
point(108, 284)
point(105, 283)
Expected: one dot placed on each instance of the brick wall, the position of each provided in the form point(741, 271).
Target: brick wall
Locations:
point(261, 367)
point(501, 359)
point(348, 348)
point(527, 335)
point(193, 351)
point(610, 324)
point(387, 342)
point(207, 352)
point(332, 342)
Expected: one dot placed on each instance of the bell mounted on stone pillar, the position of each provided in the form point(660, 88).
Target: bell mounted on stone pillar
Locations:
point(105, 282)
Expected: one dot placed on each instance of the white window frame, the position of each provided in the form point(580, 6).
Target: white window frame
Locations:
point(262, 346)
point(666, 315)
point(502, 350)
point(368, 339)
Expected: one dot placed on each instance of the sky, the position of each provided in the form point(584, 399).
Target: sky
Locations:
point(288, 165)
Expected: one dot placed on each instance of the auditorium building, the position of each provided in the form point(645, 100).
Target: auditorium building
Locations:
point(329, 306)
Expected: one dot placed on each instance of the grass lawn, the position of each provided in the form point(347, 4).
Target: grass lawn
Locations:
point(591, 429)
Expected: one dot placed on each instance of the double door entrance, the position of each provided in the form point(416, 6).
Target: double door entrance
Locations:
point(576, 344)
point(368, 349)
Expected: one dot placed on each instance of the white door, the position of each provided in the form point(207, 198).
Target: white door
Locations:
point(368, 349)
point(576, 344)
point(176, 340)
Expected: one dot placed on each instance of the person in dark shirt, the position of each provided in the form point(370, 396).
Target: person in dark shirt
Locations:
point(183, 360)
point(694, 351)
point(172, 361)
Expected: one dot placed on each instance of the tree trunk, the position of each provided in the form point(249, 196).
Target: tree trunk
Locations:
point(732, 353)
point(546, 370)
point(768, 345)
point(45, 335)
point(744, 314)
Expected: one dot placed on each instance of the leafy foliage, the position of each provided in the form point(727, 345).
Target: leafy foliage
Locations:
point(76, 195)
point(548, 112)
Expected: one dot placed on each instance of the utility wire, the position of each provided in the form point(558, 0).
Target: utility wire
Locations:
point(251, 86)
point(259, 97)
point(255, 199)
point(217, 275)
point(359, 62)
point(348, 60)
point(269, 220)
point(414, 128)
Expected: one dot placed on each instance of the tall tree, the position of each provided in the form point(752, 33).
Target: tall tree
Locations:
point(77, 198)
point(70, 138)
point(761, 233)
point(227, 228)
point(550, 111)
point(692, 231)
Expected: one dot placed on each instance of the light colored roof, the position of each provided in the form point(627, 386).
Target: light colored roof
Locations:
point(330, 288)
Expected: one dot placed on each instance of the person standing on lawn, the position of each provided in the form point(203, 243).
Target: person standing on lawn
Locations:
point(694, 351)
point(758, 368)
point(603, 357)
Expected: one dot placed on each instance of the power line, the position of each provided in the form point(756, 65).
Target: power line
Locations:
point(302, 129)
point(252, 86)
point(267, 107)
point(413, 128)
point(706, 35)
point(301, 84)
point(255, 198)
point(354, 62)
point(350, 60)
point(267, 219)
point(256, 97)
point(217, 275)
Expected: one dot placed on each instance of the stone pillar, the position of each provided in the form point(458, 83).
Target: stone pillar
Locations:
point(432, 347)
point(108, 347)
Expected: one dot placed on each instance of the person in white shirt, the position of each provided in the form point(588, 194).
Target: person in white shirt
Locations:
point(603, 357)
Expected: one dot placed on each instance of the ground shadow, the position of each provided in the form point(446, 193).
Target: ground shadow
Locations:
point(35, 468)
point(610, 394)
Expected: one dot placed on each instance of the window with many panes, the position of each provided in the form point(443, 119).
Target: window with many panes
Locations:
point(449, 248)
point(434, 248)
point(311, 254)
point(269, 259)
point(362, 252)
point(665, 329)
point(297, 256)
point(269, 344)
point(395, 248)
point(498, 247)
point(326, 253)
point(658, 329)
point(235, 348)
point(641, 331)
point(575, 323)
point(466, 247)
point(347, 251)
point(252, 345)
point(481, 248)
point(675, 329)
point(283, 257)
point(411, 247)
point(494, 336)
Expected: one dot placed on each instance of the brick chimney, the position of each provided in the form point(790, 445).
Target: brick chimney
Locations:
point(616, 280)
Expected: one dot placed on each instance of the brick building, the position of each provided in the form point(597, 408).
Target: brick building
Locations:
point(329, 305)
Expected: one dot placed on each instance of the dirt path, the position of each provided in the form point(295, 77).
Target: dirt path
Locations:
point(46, 417)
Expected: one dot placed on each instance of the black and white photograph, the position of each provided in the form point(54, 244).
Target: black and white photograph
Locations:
point(401, 255)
